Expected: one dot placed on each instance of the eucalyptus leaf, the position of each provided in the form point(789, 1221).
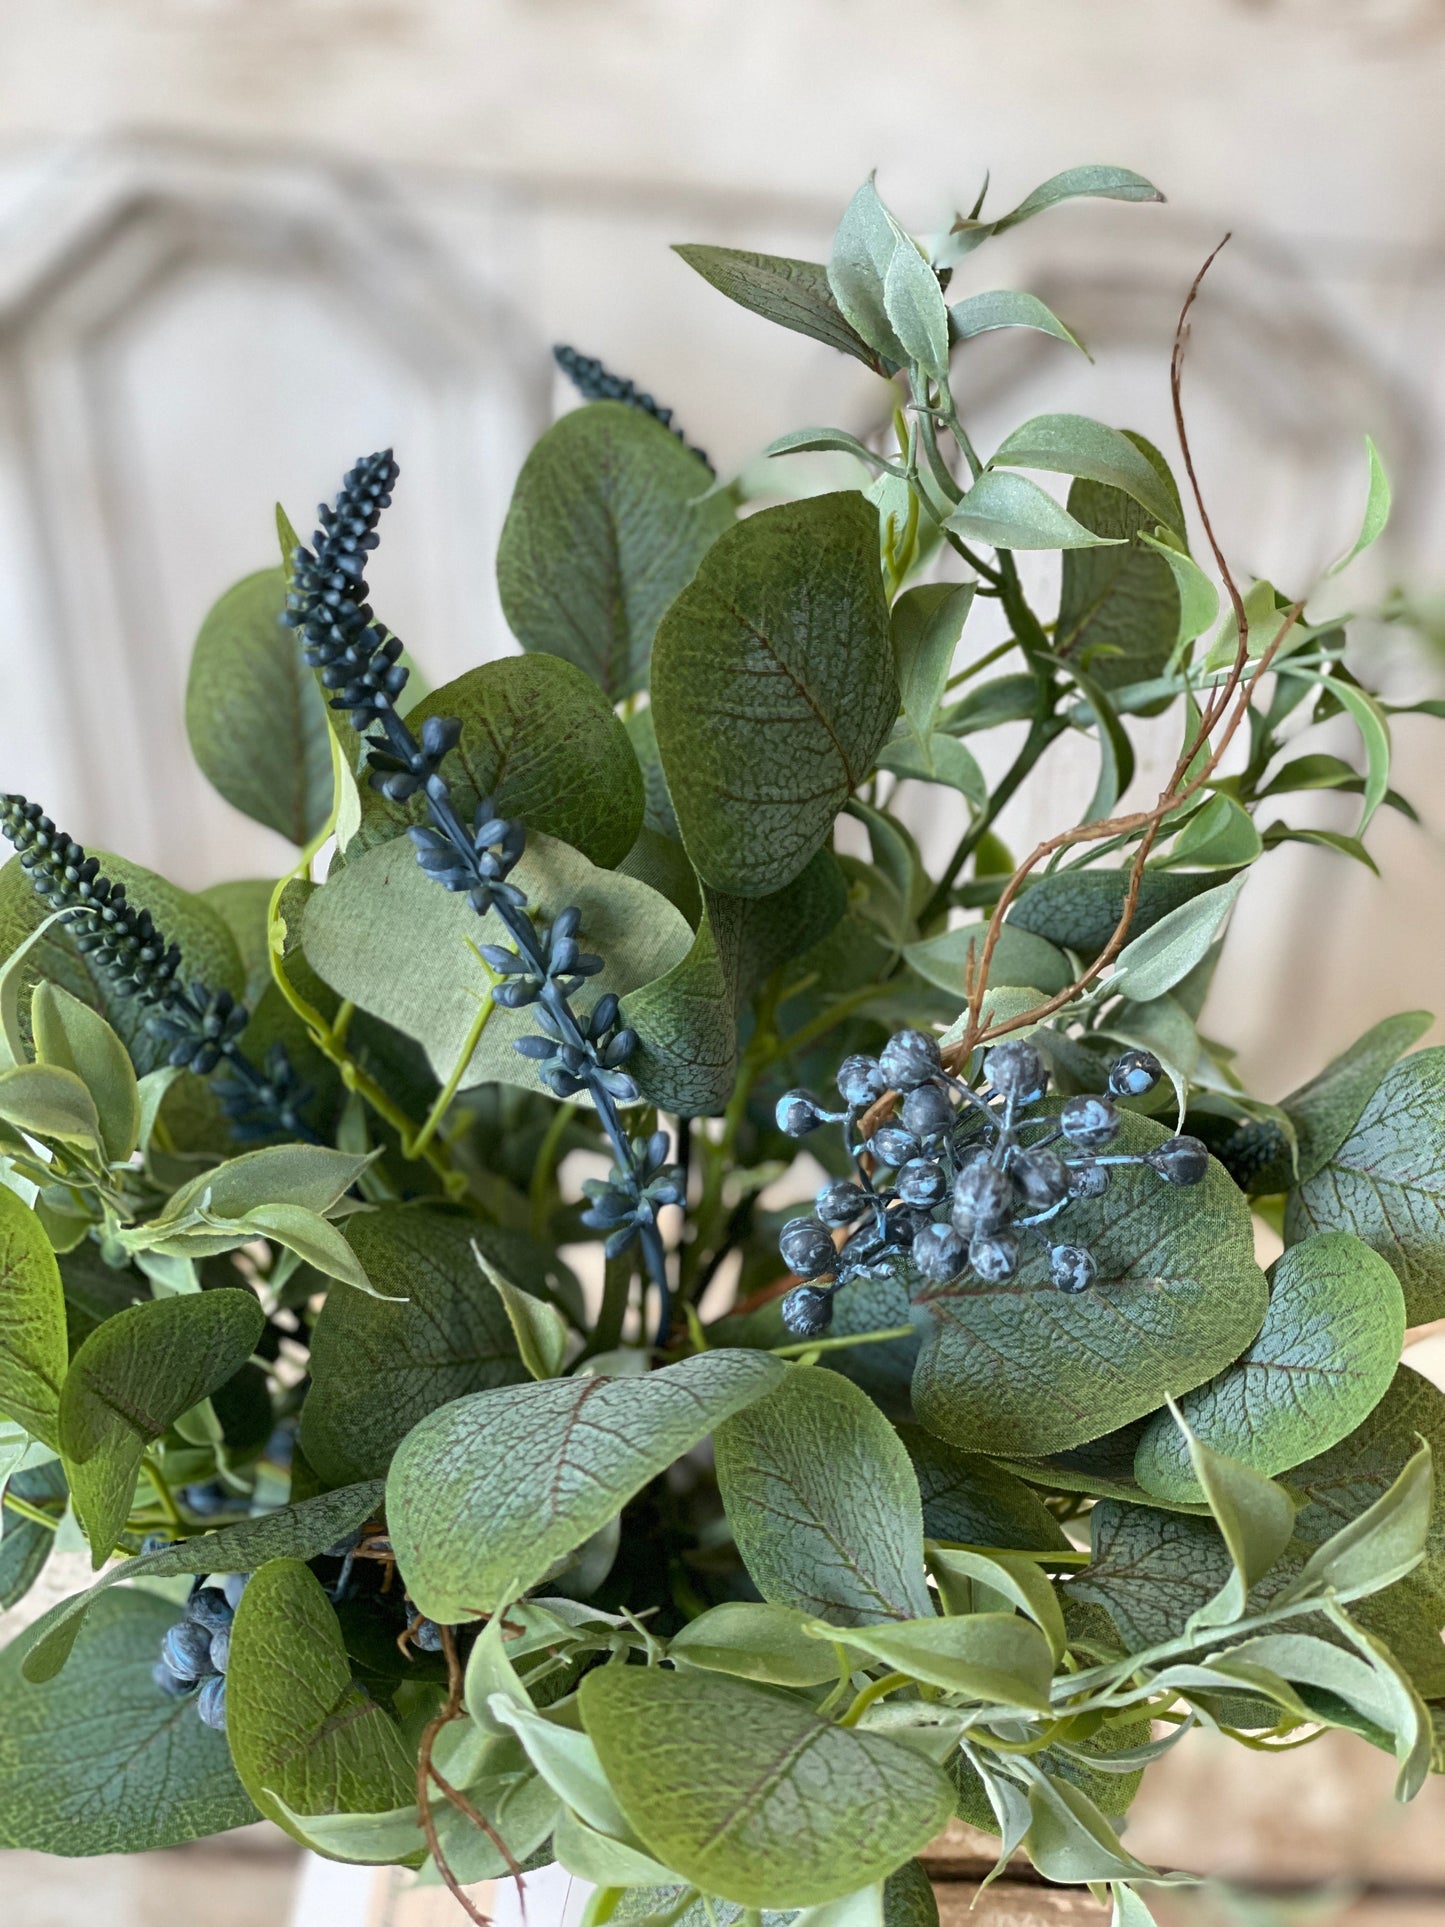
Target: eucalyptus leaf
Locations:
point(773, 689)
point(487, 1493)
point(300, 1730)
point(1019, 958)
point(1326, 1110)
point(1022, 1369)
point(130, 1380)
point(75, 1038)
point(998, 1658)
point(1321, 1361)
point(384, 935)
point(1080, 909)
point(924, 626)
point(747, 1793)
point(1075, 445)
point(24, 1545)
point(969, 1500)
point(755, 1641)
point(33, 1351)
point(823, 1502)
point(1122, 609)
point(103, 1761)
point(610, 517)
point(254, 712)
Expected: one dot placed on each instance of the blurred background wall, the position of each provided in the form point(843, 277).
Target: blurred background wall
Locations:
point(243, 240)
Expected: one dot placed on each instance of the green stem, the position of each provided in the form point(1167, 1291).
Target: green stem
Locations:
point(542, 1169)
point(24, 1510)
point(876, 1689)
point(164, 1498)
point(416, 1146)
point(806, 1347)
point(1042, 732)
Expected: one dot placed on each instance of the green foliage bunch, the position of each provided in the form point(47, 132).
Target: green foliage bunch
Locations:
point(390, 1289)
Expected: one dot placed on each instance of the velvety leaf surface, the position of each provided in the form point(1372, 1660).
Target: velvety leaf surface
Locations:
point(748, 1794)
point(1321, 1361)
point(968, 1500)
point(607, 523)
point(393, 941)
point(298, 1531)
point(1079, 909)
point(773, 689)
point(131, 1379)
point(32, 1322)
point(823, 1503)
point(1151, 1570)
point(1386, 1182)
point(1119, 607)
point(541, 740)
point(208, 950)
point(102, 1761)
point(687, 1021)
point(298, 1725)
point(1328, 1108)
point(24, 1545)
point(795, 294)
point(254, 714)
point(1342, 1483)
point(485, 1495)
point(377, 1367)
point(1024, 1369)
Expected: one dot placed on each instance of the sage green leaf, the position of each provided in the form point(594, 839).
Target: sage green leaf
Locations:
point(687, 1021)
point(541, 740)
point(1198, 597)
point(1007, 308)
point(1095, 182)
point(968, 1500)
point(299, 1531)
point(1383, 1545)
point(244, 905)
point(773, 689)
point(1007, 511)
point(1080, 909)
point(969, 1582)
point(33, 1349)
point(885, 288)
point(1019, 958)
point(539, 1329)
point(746, 1793)
point(752, 1641)
point(377, 1366)
point(131, 1379)
point(1164, 955)
point(823, 1503)
point(72, 1036)
point(310, 1175)
point(1069, 1839)
point(365, 1839)
point(487, 1494)
point(103, 1761)
point(208, 950)
point(48, 1102)
point(1327, 1109)
point(254, 714)
point(793, 293)
point(1120, 609)
point(1377, 509)
point(610, 517)
point(1220, 836)
point(386, 936)
point(1023, 1369)
point(299, 1728)
point(1255, 1519)
point(658, 813)
point(1323, 1358)
point(924, 627)
point(24, 1545)
point(908, 1898)
point(1386, 1183)
point(1075, 445)
point(998, 1658)
point(1151, 1571)
point(1339, 1487)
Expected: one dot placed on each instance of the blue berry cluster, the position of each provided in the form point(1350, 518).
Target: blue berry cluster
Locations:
point(544, 966)
point(961, 1178)
point(201, 1027)
point(594, 382)
point(196, 1651)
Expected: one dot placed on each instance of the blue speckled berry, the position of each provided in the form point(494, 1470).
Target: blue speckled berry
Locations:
point(983, 1199)
point(1072, 1268)
point(1181, 1160)
point(210, 1608)
point(860, 1080)
point(927, 1112)
point(186, 1649)
point(1016, 1070)
point(807, 1311)
point(221, 1650)
point(807, 1247)
point(1088, 1180)
point(1041, 1177)
point(169, 1682)
point(211, 1703)
point(922, 1182)
point(939, 1253)
point(797, 1113)
point(994, 1256)
point(893, 1147)
point(1089, 1121)
point(233, 1585)
point(910, 1058)
point(1135, 1073)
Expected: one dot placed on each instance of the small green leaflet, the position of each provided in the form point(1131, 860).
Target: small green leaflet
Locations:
point(1007, 308)
point(1255, 1518)
point(32, 1322)
point(885, 288)
point(1166, 953)
point(1377, 509)
point(1008, 511)
point(1075, 445)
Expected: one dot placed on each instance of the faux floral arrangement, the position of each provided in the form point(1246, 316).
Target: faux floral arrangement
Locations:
point(724, 1564)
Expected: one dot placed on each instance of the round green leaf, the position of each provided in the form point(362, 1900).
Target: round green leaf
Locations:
point(609, 519)
point(101, 1760)
point(823, 1503)
point(385, 935)
point(76, 1038)
point(487, 1494)
point(968, 1500)
point(378, 1367)
point(746, 1793)
point(1386, 1182)
point(541, 740)
point(1322, 1359)
point(32, 1322)
point(254, 713)
point(1119, 608)
point(300, 1731)
point(1023, 1369)
point(773, 689)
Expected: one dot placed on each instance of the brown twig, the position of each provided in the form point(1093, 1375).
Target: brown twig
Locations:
point(428, 1774)
point(1181, 787)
